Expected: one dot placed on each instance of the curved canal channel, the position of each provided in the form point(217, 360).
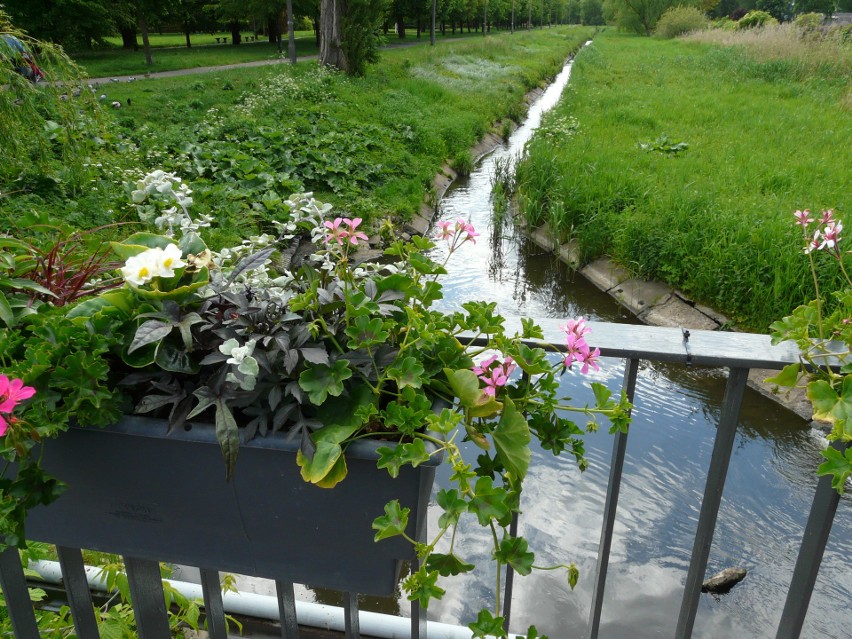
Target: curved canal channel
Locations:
point(770, 483)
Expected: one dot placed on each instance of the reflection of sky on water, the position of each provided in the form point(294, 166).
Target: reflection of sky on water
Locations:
point(767, 497)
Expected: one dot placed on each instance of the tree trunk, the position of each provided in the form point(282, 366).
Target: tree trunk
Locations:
point(291, 33)
point(331, 38)
point(236, 37)
point(400, 27)
point(272, 28)
point(186, 33)
point(146, 43)
point(128, 38)
point(432, 23)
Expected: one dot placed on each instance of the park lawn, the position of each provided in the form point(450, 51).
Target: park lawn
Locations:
point(245, 139)
point(170, 52)
point(765, 136)
point(161, 40)
point(114, 62)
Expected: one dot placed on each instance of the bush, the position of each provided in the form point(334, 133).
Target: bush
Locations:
point(725, 24)
point(809, 21)
point(755, 19)
point(679, 20)
point(738, 13)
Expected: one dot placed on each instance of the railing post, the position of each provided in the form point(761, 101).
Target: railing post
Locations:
point(287, 609)
point(18, 602)
point(350, 615)
point(725, 435)
point(418, 615)
point(78, 593)
point(214, 609)
point(147, 597)
point(810, 556)
point(619, 448)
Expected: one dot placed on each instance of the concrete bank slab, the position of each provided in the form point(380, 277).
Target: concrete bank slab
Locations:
point(640, 296)
point(677, 313)
point(605, 274)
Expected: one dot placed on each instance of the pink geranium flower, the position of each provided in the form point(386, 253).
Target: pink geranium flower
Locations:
point(12, 392)
point(336, 234)
point(354, 235)
point(803, 218)
point(494, 376)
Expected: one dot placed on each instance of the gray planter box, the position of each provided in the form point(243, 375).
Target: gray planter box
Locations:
point(134, 491)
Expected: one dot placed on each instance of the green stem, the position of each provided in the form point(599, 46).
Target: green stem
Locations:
point(499, 565)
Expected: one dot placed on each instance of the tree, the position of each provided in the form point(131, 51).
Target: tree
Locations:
point(826, 7)
point(778, 9)
point(591, 12)
point(348, 33)
point(641, 15)
point(72, 23)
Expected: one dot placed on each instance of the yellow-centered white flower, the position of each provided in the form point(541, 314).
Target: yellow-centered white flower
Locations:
point(155, 262)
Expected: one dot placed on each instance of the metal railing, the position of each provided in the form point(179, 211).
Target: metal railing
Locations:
point(736, 352)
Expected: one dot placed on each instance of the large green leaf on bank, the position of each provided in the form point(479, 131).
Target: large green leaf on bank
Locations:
point(393, 522)
point(317, 468)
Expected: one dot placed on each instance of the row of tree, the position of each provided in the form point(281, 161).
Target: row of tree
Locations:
point(349, 31)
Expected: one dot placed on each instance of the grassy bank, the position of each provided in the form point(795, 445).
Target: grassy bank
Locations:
point(766, 135)
point(246, 139)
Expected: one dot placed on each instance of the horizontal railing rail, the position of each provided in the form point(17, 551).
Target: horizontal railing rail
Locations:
point(736, 352)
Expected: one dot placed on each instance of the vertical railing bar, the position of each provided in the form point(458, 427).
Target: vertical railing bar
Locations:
point(418, 614)
point(616, 467)
point(811, 551)
point(350, 614)
point(725, 435)
point(214, 608)
point(147, 597)
point(18, 603)
point(287, 609)
point(510, 579)
point(77, 591)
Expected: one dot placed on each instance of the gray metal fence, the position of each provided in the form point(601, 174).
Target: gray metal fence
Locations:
point(736, 352)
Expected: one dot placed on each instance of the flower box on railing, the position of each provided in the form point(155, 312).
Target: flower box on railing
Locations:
point(136, 491)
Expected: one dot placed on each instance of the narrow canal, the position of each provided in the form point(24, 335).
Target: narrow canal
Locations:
point(770, 482)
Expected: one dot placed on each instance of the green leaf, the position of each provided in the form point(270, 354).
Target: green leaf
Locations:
point(788, 376)
point(325, 457)
point(453, 505)
point(447, 565)
point(393, 522)
point(831, 407)
point(408, 372)
point(515, 552)
point(532, 633)
point(837, 464)
point(139, 243)
point(573, 575)
point(228, 435)
point(6, 313)
point(489, 501)
point(366, 332)
point(422, 586)
point(486, 625)
point(465, 385)
point(148, 333)
point(512, 439)
point(320, 381)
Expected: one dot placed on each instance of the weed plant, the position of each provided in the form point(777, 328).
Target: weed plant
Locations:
point(765, 135)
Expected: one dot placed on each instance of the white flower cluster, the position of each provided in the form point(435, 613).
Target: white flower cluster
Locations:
point(155, 262)
point(240, 357)
point(560, 127)
point(162, 184)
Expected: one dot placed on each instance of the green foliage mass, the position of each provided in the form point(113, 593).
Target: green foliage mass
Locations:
point(679, 20)
point(716, 219)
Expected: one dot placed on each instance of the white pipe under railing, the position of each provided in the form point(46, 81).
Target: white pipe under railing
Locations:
point(372, 624)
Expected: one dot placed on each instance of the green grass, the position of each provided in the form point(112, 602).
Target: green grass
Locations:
point(160, 40)
point(766, 136)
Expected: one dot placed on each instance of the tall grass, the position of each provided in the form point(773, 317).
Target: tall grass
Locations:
point(765, 137)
